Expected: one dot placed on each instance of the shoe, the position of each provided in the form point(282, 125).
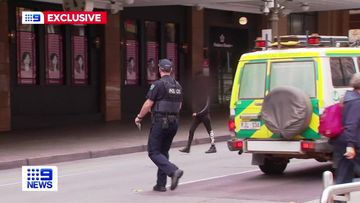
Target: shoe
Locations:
point(159, 188)
point(185, 150)
point(212, 149)
point(175, 179)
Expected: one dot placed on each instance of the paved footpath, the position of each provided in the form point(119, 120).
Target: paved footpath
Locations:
point(92, 140)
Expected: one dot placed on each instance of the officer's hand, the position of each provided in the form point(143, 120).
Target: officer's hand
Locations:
point(137, 120)
point(350, 153)
point(194, 114)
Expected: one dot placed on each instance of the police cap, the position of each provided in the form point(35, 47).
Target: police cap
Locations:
point(165, 65)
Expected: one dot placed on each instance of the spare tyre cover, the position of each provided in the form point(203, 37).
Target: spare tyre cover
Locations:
point(286, 111)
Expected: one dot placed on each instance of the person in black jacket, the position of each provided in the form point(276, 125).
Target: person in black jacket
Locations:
point(201, 106)
point(348, 143)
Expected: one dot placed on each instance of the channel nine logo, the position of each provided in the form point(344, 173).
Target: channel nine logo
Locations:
point(39, 178)
point(63, 17)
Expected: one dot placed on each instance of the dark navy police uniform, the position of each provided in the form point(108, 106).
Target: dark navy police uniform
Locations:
point(166, 93)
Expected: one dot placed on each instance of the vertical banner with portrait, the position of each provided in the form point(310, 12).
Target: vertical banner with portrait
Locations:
point(54, 59)
point(132, 53)
point(26, 51)
point(152, 51)
point(132, 65)
point(152, 59)
point(172, 47)
point(171, 54)
point(79, 56)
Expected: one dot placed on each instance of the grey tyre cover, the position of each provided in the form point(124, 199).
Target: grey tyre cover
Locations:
point(286, 111)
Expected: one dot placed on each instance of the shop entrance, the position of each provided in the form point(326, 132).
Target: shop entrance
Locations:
point(227, 45)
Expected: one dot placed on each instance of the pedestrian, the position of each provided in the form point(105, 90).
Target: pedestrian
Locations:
point(164, 100)
point(347, 145)
point(201, 114)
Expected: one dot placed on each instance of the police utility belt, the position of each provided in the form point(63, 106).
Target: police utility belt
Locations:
point(164, 118)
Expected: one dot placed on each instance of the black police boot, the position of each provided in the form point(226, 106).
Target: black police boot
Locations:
point(185, 150)
point(212, 149)
point(175, 179)
point(159, 188)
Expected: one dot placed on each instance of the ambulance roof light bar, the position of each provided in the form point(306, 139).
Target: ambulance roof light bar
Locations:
point(260, 43)
point(298, 41)
point(314, 40)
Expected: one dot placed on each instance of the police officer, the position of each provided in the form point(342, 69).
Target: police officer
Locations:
point(164, 100)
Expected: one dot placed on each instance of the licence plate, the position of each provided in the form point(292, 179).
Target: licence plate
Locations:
point(250, 125)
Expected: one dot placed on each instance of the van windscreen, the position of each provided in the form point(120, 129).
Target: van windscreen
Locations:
point(299, 74)
point(252, 84)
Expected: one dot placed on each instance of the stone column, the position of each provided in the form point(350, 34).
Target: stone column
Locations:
point(112, 73)
point(5, 108)
point(196, 39)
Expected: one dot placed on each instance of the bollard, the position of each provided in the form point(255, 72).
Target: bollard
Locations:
point(331, 192)
point(328, 179)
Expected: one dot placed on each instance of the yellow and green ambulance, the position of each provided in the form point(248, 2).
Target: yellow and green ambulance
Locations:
point(277, 98)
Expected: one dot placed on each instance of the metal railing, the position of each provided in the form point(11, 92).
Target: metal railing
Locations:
point(340, 192)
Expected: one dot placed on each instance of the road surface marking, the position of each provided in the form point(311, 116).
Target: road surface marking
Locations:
point(217, 177)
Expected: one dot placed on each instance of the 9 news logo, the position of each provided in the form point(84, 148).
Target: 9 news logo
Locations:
point(32, 17)
point(39, 178)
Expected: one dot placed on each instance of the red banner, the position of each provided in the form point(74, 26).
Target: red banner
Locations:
point(64, 17)
point(26, 55)
point(132, 65)
point(171, 54)
point(152, 61)
point(54, 59)
point(79, 60)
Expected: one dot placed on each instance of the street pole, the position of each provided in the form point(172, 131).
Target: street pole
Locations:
point(274, 22)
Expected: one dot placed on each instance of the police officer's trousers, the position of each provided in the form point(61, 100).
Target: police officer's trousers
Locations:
point(159, 144)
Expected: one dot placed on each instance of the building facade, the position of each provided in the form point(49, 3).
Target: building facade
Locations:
point(53, 75)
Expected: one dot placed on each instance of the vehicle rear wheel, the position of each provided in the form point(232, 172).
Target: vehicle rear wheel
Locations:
point(274, 166)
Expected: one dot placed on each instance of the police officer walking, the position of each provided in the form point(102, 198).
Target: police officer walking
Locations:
point(164, 101)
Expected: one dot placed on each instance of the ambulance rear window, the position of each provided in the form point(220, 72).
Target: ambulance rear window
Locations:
point(252, 84)
point(299, 74)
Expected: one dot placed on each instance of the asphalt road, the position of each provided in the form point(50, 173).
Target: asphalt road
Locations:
point(221, 177)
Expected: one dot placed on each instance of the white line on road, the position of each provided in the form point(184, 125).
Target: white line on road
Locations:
point(217, 177)
point(223, 176)
point(9, 184)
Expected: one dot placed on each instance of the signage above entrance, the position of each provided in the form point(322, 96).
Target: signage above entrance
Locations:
point(222, 43)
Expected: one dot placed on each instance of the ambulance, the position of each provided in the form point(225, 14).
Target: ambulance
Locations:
point(279, 94)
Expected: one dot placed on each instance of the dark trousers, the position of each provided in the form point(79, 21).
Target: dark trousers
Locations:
point(345, 170)
point(195, 123)
point(159, 144)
